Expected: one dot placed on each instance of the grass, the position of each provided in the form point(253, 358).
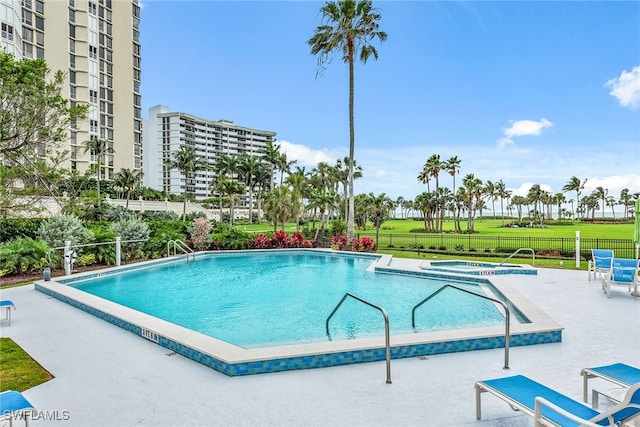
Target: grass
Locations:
point(18, 371)
point(492, 227)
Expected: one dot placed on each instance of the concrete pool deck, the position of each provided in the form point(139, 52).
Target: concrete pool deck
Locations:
point(107, 376)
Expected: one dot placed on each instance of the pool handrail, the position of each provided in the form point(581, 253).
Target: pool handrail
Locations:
point(507, 334)
point(387, 343)
point(533, 254)
point(179, 244)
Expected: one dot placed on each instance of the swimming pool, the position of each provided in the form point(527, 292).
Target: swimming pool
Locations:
point(479, 268)
point(350, 341)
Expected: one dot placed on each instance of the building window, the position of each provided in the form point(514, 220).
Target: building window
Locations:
point(72, 77)
point(40, 23)
point(39, 53)
point(72, 15)
point(27, 17)
point(72, 61)
point(93, 96)
point(72, 31)
point(93, 52)
point(7, 32)
point(72, 92)
point(40, 6)
point(26, 3)
point(27, 50)
point(39, 38)
point(72, 46)
point(93, 8)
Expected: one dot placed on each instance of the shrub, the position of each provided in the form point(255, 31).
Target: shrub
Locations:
point(366, 244)
point(459, 248)
point(86, 259)
point(201, 233)
point(12, 228)
point(281, 239)
point(22, 255)
point(57, 229)
point(132, 229)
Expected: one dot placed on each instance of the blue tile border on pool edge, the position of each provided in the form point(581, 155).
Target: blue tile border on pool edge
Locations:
point(324, 359)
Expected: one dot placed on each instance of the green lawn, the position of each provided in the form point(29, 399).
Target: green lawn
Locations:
point(18, 371)
point(492, 227)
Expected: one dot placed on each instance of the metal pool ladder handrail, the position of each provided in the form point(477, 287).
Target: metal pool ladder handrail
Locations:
point(179, 244)
point(386, 327)
point(507, 335)
point(533, 254)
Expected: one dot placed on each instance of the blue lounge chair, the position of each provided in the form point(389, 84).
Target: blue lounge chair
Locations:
point(7, 305)
point(600, 262)
point(550, 408)
point(619, 374)
point(624, 272)
point(14, 406)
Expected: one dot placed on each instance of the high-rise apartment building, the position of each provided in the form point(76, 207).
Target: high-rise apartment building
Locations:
point(97, 44)
point(165, 132)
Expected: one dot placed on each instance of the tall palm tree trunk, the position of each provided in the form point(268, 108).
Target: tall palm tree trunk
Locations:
point(351, 232)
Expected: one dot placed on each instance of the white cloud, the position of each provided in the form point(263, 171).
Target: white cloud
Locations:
point(626, 88)
point(522, 128)
point(307, 156)
point(523, 190)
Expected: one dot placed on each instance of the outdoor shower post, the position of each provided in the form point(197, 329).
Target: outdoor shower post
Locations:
point(118, 250)
point(578, 249)
point(67, 257)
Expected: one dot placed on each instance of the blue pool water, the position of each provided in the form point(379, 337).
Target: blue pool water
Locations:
point(264, 299)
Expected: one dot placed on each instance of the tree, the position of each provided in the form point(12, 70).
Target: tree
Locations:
point(186, 161)
point(229, 188)
point(348, 27)
point(34, 120)
point(379, 210)
point(601, 193)
point(127, 179)
point(575, 184)
point(98, 148)
point(281, 205)
point(271, 155)
point(248, 167)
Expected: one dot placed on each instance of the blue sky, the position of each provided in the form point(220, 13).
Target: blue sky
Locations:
point(526, 92)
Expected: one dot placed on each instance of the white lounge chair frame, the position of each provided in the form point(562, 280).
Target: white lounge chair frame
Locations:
point(540, 421)
point(600, 263)
point(624, 272)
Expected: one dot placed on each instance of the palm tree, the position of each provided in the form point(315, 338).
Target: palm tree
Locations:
point(379, 208)
point(503, 193)
point(575, 184)
point(535, 196)
point(281, 206)
point(271, 155)
point(342, 170)
point(601, 193)
point(625, 200)
point(98, 148)
point(229, 188)
point(348, 26)
point(452, 166)
point(247, 167)
point(284, 166)
point(127, 179)
point(323, 200)
point(186, 161)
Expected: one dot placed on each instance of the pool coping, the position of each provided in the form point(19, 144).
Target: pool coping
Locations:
point(233, 360)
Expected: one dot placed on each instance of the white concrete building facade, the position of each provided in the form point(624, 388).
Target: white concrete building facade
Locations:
point(165, 132)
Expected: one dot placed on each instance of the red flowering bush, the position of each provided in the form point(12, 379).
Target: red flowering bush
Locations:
point(281, 239)
point(366, 244)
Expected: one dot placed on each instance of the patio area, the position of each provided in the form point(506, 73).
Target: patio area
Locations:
point(107, 376)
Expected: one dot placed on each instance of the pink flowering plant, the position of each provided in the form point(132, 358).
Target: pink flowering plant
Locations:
point(200, 233)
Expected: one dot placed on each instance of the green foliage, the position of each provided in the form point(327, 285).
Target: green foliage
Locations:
point(159, 216)
point(117, 213)
point(22, 255)
point(225, 236)
point(56, 229)
point(86, 259)
point(338, 227)
point(131, 229)
point(10, 228)
point(104, 254)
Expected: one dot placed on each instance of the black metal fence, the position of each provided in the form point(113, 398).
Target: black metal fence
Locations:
point(623, 248)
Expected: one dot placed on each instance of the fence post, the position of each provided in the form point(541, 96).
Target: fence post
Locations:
point(118, 250)
point(578, 249)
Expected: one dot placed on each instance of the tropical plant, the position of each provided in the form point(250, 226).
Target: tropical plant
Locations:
point(22, 255)
point(127, 179)
point(577, 185)
point(98, 148)
point(57, 229)
point(186, 161)
point(348, 27)
point(133, 232)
